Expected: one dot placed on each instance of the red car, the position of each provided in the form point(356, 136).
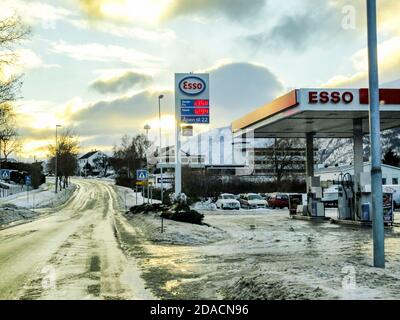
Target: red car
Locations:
point(278, 200)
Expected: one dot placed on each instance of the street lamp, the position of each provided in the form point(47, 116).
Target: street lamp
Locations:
point(56, 159)
point(147, 128)
point(161, 96)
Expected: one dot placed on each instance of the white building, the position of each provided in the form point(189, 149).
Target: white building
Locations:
point(390, 174)
point(92, 163)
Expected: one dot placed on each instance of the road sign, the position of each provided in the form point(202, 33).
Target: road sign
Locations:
point(28, 180)
point(5, 174)
point(187, 131)
point(192, 98)
point(142, 175)
point(165, 180)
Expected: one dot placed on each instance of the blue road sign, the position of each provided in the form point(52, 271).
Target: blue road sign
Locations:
point(142, 175)
point(28, 180)
point(5, 174)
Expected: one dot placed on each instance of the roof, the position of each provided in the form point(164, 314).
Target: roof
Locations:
point(349, 168)
point(88, 155)
point(328, 113)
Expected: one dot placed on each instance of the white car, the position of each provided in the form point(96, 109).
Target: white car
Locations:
point(252, 201)
point(227, 201)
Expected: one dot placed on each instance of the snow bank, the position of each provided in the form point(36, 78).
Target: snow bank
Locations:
point(10, 213)
point(42, 197)
point(22, 206)
point(268, 287)
point(178, 233)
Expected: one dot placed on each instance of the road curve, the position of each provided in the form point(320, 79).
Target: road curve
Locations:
point(71, 253)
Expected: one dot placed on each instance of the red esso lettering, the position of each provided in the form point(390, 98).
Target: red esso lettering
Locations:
point(334, 97)
point(192, 85)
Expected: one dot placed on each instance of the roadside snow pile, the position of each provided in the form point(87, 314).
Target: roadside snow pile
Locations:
point(205, 205)
point(260, 287)
point(10, 213)
point(42, 197)
point(176, 233)
point(177, 212)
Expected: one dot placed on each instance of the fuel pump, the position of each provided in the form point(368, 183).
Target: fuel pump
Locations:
point(315, 207)
point(346, 197)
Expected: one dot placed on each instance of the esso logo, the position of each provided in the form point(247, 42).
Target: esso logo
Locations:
point(192, 86)
point(334, 97)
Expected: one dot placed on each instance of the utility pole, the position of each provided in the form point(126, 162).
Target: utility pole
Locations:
point(56, 159)
point(159, 154)
point(378, 231)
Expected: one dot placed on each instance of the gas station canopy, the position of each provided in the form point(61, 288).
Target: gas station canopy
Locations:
point(327, 113)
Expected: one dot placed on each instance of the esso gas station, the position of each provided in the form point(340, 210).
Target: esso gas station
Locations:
point(328, 113)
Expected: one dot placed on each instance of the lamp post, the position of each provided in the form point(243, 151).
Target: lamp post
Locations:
point(56, 159)
point(378, 231)
point(161, 169)
point(147, 128)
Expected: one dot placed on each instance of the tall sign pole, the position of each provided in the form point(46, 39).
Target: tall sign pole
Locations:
point(192, 106)
point(375, 131)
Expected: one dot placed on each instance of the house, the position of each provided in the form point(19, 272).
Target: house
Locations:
point(93, 163)
point(390, 174)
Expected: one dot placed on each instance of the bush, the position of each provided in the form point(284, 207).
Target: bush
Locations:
point(124, 181)
point(191, 216)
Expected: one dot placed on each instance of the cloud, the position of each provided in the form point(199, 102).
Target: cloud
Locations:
point(238, 88)
point(152, 11)
point(233, 9)
point(26, 60)
point(313, 24)
point(106, 53)
point(162, 37)
point(389, 66)
point(126, 114)
point(35, 12)
point(120, 83)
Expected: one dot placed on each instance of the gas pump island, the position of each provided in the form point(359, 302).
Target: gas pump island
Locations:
point(328, 113)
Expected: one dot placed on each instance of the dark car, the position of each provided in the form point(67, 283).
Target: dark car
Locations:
point(278, 200)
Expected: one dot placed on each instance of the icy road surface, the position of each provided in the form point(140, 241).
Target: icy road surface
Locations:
point(262, 254)
point(71, 252)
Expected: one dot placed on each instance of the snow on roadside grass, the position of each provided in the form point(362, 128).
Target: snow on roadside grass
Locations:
point(178, 233)
point(22, 206)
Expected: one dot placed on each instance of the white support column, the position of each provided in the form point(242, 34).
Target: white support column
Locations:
point(309, 158)
point(358, 160)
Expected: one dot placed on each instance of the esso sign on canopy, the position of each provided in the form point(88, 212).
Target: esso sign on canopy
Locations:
point(192, 86)
point(334, 97)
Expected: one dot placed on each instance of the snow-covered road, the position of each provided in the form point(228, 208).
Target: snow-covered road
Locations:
point(71, 252)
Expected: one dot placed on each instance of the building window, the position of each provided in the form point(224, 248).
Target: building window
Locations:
point(383, 180)
point(395, 181)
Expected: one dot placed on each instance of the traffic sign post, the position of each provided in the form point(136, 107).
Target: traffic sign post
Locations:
point(5, 174)
point(142, 175)
point(192, 106)
point(28, 183)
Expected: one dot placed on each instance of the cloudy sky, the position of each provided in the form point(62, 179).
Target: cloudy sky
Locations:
point(99, 65)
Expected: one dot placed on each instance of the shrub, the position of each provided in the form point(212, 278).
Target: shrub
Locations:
point(191, 216)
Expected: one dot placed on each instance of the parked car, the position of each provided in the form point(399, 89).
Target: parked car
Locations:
point(278, 200)
point(252, 201)
point(227, 201)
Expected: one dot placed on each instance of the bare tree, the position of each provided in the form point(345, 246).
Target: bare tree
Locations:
point(286, 157)
point(12, 32)
point(67, 157)
point(9, 138)
point(131, 155)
